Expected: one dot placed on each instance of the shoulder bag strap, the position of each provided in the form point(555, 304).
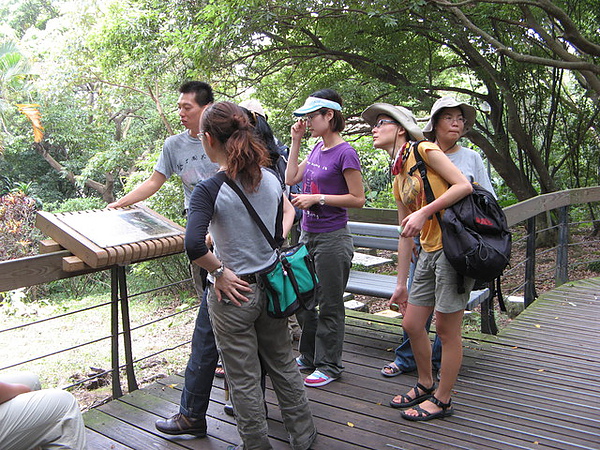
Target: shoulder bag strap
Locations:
point(252, 212)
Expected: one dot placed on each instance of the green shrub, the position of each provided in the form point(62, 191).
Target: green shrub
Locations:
point(75, 204)
point(594, 266)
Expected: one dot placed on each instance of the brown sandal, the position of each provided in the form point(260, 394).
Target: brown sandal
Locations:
point(410, 401)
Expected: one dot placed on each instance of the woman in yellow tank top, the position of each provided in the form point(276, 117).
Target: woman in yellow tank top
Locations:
point(434, 288)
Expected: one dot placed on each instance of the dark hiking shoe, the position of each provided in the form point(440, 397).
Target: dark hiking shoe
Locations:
point(180, 424)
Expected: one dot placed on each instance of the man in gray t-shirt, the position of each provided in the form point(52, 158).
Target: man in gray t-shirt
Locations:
point(183, 153)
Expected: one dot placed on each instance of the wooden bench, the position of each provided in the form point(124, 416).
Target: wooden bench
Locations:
point(385, 237)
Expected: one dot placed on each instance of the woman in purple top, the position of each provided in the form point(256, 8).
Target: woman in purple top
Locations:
point(332, 182)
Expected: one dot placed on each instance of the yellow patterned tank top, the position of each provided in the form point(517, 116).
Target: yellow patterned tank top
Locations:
point(408, 189)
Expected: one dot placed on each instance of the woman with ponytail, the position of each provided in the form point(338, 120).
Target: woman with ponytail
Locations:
point(244, 333)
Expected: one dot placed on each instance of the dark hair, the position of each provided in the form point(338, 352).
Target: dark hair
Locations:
point(203, 92)
point(338, 123)
point(227, 122)
point(263, 132)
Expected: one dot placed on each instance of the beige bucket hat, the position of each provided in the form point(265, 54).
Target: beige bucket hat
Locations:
point(400, 114)
point(468, 111)
point(254, 105)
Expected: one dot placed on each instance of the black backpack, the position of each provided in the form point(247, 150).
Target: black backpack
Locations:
point(475, 235)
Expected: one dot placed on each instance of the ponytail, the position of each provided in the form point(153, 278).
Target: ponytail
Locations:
point(245, 154)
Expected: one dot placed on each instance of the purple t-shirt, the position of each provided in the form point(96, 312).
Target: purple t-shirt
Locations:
point(324, 174)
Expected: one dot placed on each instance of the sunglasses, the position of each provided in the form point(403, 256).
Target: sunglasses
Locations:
point(382, 122)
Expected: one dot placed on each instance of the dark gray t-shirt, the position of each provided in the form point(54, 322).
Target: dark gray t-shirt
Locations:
point(185, 156)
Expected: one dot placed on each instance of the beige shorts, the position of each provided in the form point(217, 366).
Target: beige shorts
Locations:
point(436, 284)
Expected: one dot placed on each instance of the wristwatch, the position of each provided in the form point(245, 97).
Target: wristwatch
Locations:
point(322, 200)
point(218, 272)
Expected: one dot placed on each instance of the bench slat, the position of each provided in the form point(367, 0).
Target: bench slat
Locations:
point(375, 242)
point(382, 286)
point(374, 229)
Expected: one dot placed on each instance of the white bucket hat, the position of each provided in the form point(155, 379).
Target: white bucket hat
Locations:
point(400, 114)
point(468, 111)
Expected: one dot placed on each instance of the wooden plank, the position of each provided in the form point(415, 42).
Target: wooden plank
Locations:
point(547, 202)
point(144, 421)
point(49, 246)
point(365, 260)
point(73, 264)
point(126, 254)
point(96, 440)
point(143, 250)
point(374, 215)
point(137, 251)
point(215, 410)
point(38, 269)
point(514, 214)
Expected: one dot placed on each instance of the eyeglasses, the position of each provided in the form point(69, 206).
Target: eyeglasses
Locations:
point(310, 117)
point(382, 122)
point(451, 119)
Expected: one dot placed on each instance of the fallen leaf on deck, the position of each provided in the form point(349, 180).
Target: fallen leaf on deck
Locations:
point(538, 326)
point(350, 424)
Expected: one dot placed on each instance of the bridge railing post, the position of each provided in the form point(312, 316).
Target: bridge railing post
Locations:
point(562, 249)
point(530, 292)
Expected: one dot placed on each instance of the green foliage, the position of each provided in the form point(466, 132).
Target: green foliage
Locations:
point(77, 288)
point(23, 15)
point(376, 174)
point(75, 204)
point(160, 272)
point(108, 73)
point(594, 266)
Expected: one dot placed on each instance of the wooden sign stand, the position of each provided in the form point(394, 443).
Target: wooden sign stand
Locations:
point(89, 254)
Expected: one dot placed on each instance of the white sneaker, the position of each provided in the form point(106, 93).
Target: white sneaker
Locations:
point(317, 379)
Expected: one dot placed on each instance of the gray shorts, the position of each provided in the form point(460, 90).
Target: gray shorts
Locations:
point(435, 284)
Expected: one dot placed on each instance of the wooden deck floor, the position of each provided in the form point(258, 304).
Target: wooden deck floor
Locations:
point(535, 386)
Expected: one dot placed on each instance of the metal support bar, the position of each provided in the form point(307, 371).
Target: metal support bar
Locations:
point(488, 320)
point(562, 249)
point(124, 298)
point(530, 293)
point(114, 331)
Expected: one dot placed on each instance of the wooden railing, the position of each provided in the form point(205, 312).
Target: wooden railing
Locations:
point(41, 269)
